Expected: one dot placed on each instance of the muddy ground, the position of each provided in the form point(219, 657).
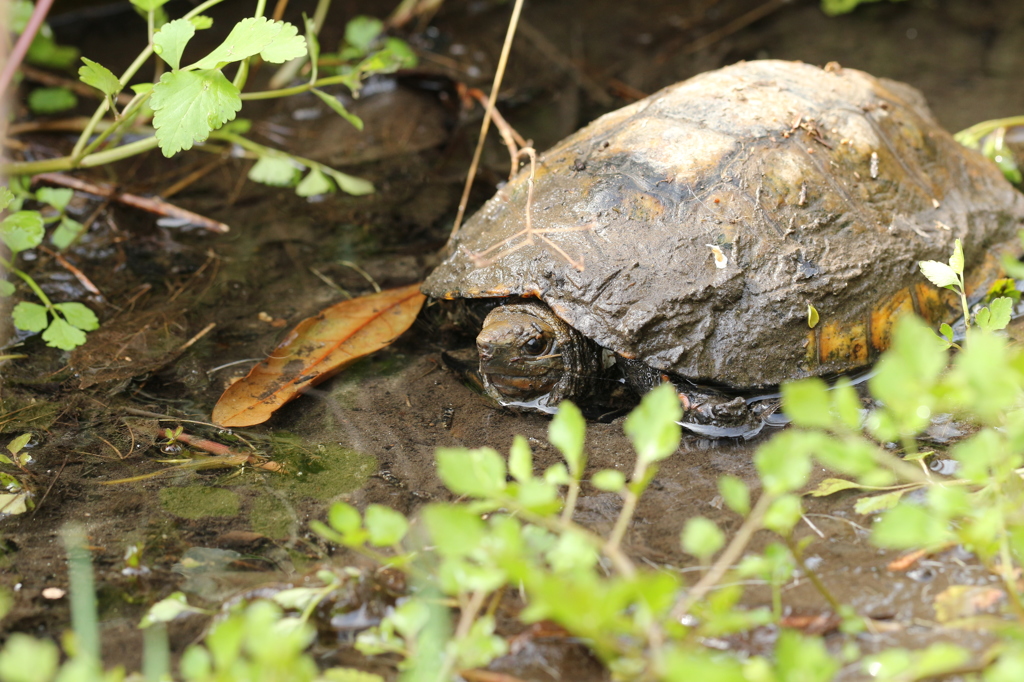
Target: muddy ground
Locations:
point(369, 435)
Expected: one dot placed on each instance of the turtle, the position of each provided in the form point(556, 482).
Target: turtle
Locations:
point(689, 237)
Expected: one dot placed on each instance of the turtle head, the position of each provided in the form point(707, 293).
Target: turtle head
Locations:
point(528, 355)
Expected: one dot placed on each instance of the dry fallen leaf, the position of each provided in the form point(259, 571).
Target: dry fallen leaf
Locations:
point(964, 601)
point(318, 347)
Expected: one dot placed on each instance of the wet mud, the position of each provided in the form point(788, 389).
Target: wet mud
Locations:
point(368, 436)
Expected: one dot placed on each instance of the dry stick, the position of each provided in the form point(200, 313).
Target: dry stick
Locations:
point(731, 554)
point(551, 52)
point(150, 204)
point(79, 275)
point(192, 177)
point(735, 25)
point(499, 74)
point(14, 59)
point(50, 487)
point(513, 140)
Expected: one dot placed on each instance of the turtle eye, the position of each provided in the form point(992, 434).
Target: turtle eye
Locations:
point(535, 345)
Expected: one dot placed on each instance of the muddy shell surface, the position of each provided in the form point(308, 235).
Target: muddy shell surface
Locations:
point(693, 229)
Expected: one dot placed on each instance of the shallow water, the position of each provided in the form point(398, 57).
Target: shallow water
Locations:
point(368, 436)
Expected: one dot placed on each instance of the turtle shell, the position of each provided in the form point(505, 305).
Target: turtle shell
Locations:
point(692, 229)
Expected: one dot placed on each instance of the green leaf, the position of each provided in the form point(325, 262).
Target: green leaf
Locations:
point(360, 32)
point(830, 486)
point(22, 230)
point(804, 659)
point(350, 184)
point(567, 433)
point(285, 46)
point(846, 404)
point(812, 316)
point(190, 104)
point(278, 171)
point(557, 474)
point(701, 537)
point(78, 315)
point(99, 77)
point(784, 462)
point(168, 609)
point(15, 446)
point(573, 552)
point(946, 331)
point(62, 335)
point(996, 315)
point(939, 274)
point(877, 503)
point(956, 260)
point(520, 459)
point(477, 473)
point(44, 51)
point(385, 525)
point(480, 646)
point(249, 37)
point(149, 5)
point(1009, 667)
point(910, 526)
point(58, 197)
point(170, 41)
point(735, 494)
point(51, 100)
point(344, 518)
point(6, 288)
point(66, 233)
point(29, 317)
point(27, 659)
point(609, 480)
point(652, 427)
point(905, 378)
point(335, 104)
point(537, 495)
point(6, 197)
point(314, 184)
point(806, 402)
point(456, 531)
point(783, 514)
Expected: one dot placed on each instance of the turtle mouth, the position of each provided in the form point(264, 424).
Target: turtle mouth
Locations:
point(518, 387)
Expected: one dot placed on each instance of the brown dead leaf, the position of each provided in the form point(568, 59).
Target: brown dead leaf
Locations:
point(964, 601)
point(317, 348)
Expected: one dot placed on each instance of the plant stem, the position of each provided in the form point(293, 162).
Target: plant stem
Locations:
point(295, 89)
point(1006, 570)
point(732, 553)
point(29, 281)
point(67, 163)
point(468, 614)
point(811, 575)
point(570, 501)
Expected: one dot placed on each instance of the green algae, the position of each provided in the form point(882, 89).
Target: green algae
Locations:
point(319, 471)
point(199, 501)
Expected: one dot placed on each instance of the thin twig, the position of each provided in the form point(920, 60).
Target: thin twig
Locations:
point(732, 553)
point(17, 55)
point(499, 74)
point(150, 204)
point(79, 275)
